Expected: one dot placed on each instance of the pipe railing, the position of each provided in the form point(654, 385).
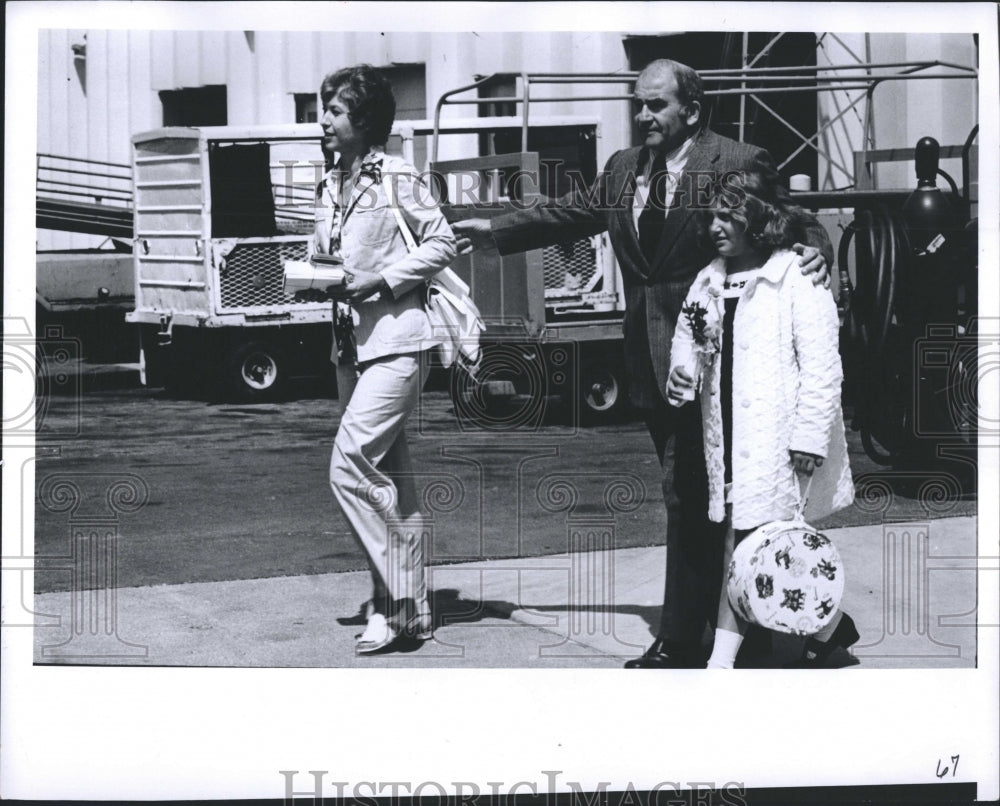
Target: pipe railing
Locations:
point(78, 178)
point(791, 79)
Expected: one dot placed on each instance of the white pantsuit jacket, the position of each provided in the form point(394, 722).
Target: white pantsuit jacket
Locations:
point(371, 241)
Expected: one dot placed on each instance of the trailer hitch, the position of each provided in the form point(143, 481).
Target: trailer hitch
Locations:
point(165, 335)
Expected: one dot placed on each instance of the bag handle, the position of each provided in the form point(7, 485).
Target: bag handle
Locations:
point(445, 276)
point(390, 194)
point(804, 497)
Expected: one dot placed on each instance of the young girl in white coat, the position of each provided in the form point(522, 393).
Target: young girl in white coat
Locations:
point(759, 340)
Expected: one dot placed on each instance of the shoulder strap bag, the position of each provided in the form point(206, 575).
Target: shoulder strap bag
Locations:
point(453, 315)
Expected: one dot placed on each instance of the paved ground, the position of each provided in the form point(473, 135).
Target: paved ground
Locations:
point(234, 558)
point(590, 609)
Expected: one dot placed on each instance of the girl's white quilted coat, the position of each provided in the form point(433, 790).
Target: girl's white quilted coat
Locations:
point(786, 394)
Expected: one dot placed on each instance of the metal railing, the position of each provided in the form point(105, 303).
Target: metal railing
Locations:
point(84, 179)
point(748, 83)
point(75, 194)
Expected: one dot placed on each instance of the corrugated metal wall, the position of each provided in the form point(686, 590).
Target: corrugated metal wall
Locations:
point(90, 107)
point(902, 111)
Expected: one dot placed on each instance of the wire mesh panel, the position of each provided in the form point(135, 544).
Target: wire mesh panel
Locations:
point(251, 276)
point(571, 269)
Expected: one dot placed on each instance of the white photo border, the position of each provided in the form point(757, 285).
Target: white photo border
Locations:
point(129, 733)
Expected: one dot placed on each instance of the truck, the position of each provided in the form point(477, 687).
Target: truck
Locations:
point(85, 290)
point(218, 210)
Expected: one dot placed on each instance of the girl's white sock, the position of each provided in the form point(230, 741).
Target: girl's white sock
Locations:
point(724, 649)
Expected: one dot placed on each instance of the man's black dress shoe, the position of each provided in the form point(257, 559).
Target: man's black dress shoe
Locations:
point(815, 653)
point(663, 655)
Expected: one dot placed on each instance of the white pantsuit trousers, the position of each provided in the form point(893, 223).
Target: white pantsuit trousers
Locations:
point(371, 474)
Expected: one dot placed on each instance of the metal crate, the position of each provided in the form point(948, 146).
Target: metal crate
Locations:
point(251, 276)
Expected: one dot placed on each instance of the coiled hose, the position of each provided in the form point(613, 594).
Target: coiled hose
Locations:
point(874, 313)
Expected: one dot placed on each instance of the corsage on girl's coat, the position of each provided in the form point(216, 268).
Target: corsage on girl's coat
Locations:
point(786, 394)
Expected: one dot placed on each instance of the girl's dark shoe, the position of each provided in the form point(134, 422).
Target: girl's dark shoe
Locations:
point(815, 653)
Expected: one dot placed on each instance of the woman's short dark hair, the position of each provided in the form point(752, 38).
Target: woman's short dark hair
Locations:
point(758, 200)
point(368, 91)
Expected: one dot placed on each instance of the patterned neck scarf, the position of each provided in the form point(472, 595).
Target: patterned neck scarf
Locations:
point(344, 315)
point(370, 170)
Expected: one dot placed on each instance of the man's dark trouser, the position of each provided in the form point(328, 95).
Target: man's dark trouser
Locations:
point(694, 543)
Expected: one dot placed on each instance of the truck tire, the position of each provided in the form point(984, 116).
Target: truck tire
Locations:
point(483, 401)
point(254, 371)
point(602, 392)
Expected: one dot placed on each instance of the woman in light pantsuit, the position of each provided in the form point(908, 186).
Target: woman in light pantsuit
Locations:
point(381, 351)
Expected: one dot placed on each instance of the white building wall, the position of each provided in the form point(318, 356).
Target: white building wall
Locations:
point(91, 108)
point(263, 69)
point(460, 57)
point(64, 126)
point(902, 111)
point(241, 75)
point(944, 110)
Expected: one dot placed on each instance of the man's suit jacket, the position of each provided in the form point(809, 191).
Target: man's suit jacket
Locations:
point(654, 290)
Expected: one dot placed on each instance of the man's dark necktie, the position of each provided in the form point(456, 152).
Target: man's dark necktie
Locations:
point(652, 216)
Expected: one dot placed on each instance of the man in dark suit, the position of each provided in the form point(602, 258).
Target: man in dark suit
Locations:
point(646, 199)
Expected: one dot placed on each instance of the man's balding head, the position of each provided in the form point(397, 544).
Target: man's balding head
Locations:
point(668, 104)
point(690, 88)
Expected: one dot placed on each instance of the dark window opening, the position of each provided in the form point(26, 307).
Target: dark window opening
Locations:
point(409, 86)
point(567, 157)
point(502, 86)
point(195, 106)
point(306, 107)
point(242, 197)
point(712, 51)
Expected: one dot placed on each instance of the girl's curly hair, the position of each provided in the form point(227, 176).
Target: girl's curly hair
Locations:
point(760, 202)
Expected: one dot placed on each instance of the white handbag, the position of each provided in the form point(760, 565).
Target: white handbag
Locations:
point(786, 576)
point(453, 315)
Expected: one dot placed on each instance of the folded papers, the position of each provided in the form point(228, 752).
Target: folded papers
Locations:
point(301, 276)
